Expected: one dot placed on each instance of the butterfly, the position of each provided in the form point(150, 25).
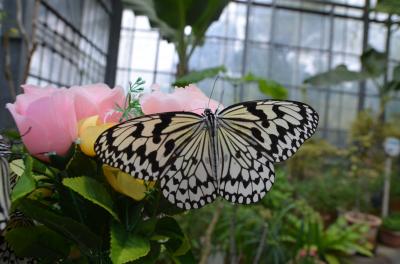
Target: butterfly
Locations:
point(8, 220)
point(195, 158)
point(4, 181)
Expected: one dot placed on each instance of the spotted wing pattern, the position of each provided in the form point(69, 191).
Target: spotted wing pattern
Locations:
point(277, 127)
point(172, 147)
point(176, 148)
point(142, 146)
point(5, 192)
point(245, 173)
point(189, 181)
point(252, 136)
point(4, 182)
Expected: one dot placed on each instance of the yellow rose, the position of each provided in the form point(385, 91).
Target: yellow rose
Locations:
point(126, 184)
point(89, 129)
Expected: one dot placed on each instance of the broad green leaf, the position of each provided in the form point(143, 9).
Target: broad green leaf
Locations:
point(197, 76)
point(37, 242)
point(126, 246)
point(41, 168)
point(93, 191)
point(388, 6)
point(374, 63)
point(201, 13)
point(186, 258)
point(26, 183)
point(11, 133)
point(177, 244)
point(273, 89)
point(335, 76)
point(396, 73)
point(69, 228)
point(152, 256)
point(331, 259)
point(171, 16)
point(268, 87)
point(80, 164)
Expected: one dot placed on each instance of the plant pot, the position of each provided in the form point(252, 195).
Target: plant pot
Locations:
point(389, 237)
point(394, 205)
point(371, 220)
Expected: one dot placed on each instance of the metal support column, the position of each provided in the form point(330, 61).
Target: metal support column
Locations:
point(362, 87)
point(113, 43)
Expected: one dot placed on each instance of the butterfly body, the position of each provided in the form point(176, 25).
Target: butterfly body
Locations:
point(199, 157)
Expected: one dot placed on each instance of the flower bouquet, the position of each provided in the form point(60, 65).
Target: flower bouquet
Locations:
point(61, 204)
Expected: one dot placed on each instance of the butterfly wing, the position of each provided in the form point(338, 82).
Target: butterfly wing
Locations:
point(173, 147)
point(142, 146)
point(5, 192)
point(251, 137)
point(189, 181)
point(278, 127)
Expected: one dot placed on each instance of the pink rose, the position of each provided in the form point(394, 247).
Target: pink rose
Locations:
point(98, 99)
point(48, 117)
point(190, 99)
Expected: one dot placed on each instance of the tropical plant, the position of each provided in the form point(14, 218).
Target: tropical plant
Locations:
point(314, 158)
point(309, 239)
point(374, 66)
point(328, 193)
point(392, 222)
point(181, 22)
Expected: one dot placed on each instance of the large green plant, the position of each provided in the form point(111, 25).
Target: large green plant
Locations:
point(374, 66)
point(310, 241)
point(172, 17)
point(268, 87)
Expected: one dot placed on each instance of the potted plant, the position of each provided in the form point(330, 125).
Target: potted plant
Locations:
point(390, 231)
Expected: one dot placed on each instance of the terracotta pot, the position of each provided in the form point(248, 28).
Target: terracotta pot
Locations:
point(394, 205)
point(371, 220)
point(389, 237)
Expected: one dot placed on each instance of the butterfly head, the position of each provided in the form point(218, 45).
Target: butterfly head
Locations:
point(208, 112)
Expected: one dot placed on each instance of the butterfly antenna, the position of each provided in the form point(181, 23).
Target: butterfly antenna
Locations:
point(212, 91)
point(220, 99)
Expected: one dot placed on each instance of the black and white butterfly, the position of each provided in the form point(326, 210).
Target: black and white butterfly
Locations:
point(9, 220)
point(5, 151)
point(198, 157)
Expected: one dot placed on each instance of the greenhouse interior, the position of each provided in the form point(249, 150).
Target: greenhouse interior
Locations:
point(200, 131)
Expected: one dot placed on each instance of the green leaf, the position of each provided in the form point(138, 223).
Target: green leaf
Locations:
point(171, 16)
point(26, 183)
point(177, 244)
point(197, 76)
point(388, 6)
point(69, 228)
point(37, 242)
point(374, 63)
point(267, 87)
point(331, 259)
point(126, 246)
point(201, 13)
point(11, 133)
point(81, 164)
point(60, 162)
point(187, 258)
point(335, 76)
point(152, 256)
point(93, 191)
point(273, 89)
